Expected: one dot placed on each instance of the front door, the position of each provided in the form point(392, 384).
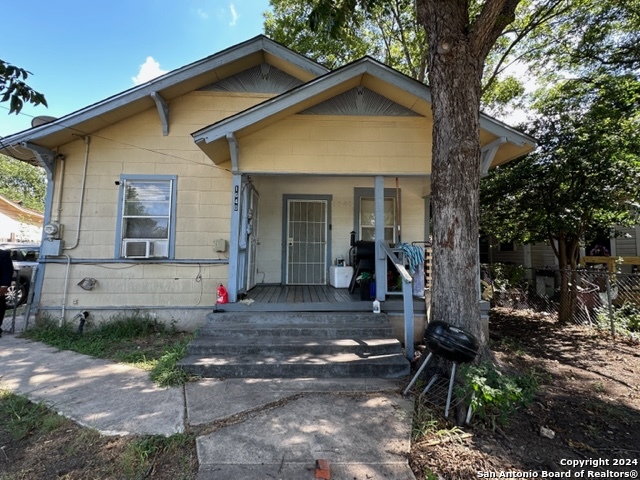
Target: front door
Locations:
point(306, 235)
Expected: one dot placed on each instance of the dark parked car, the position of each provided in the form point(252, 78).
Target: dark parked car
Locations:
point(25, 258)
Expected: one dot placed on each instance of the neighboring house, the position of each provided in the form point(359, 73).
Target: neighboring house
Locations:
point(251, 166)
point(625, 243)
point(534, 256)
point(19, 224)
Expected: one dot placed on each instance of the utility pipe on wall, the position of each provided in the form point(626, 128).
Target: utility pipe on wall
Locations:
point(77, 241)
point(82, 188)
point(58, 212)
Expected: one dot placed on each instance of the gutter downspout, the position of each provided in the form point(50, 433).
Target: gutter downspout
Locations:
point(46, 159)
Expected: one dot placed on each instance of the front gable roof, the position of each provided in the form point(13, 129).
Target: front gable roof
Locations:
point(200, 74)
point(365, 74)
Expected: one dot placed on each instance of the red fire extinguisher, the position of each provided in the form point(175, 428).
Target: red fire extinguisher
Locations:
point(223, 295)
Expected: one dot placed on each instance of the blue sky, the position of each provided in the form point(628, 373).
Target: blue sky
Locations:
point(80, 52)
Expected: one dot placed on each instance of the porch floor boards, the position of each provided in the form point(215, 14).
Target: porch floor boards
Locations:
point(273, 298)
point(301, 294)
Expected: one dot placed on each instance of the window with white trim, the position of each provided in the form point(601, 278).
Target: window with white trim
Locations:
point(364, 214)
point(147, 217)
point(368, 219)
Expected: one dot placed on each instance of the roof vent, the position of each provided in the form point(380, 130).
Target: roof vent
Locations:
point(42, 120)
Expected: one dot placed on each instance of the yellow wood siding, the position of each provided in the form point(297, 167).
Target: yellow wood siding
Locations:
point(137, 146)
point(339, 144)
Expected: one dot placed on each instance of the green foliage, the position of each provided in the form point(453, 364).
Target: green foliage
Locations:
point(506, 277)
point(588, 36)
point(20, 417)
point(626, 318)
point(165, 372)
point(22, 183)
point(335, 33)
point(136, 339)
point(582, 177)
point(140, 454)
point(496, 395)
point(384, 31)
point(14, 89)
point(426, 424)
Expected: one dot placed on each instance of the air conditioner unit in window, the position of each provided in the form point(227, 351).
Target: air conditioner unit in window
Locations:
point(145, 248)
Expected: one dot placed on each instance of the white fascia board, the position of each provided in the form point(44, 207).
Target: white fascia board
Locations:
point(143, 92)
point(292, 57)
point(310, 89)
point(500, 129)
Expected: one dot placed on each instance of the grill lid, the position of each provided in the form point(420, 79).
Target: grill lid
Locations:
point(450, 342)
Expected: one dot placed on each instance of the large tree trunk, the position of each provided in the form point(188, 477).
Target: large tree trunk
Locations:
point(567, 249)
point(457, 50)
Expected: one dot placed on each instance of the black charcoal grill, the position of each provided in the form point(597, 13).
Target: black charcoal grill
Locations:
point(451, 343)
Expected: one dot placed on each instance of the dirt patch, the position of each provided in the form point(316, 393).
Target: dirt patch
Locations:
point(589, 398)
point(72, 452)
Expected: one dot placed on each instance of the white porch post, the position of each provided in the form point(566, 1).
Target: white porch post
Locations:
point(234, 238)
point(427, 217)
point(381, 258)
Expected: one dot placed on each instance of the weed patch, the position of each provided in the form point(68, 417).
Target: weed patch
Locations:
point(135, 339)
point(20, 417)
point(496, 396)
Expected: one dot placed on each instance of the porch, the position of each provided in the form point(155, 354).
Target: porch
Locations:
point(316, 298)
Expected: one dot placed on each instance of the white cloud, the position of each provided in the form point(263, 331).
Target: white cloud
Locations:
point(234, 15)
point(202, 14)
point(149, 70)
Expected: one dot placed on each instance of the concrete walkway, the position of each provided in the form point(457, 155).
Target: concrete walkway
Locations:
point(251, 428)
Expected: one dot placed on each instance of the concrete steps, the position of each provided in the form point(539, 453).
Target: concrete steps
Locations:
point(296, 345)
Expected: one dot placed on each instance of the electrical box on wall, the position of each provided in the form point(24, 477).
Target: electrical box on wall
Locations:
point(51, 248)
point(220, 245)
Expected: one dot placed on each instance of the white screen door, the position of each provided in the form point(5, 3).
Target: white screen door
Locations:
point(306, 242)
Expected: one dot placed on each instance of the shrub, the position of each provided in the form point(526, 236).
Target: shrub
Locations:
point(625, 318)
point(497, 395)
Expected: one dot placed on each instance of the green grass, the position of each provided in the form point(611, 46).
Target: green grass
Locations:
point(20, 417)
point(140, 454)
point(427, 424)
point(32, 423)
point(135, 339)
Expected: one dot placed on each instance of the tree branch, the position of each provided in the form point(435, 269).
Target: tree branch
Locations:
point(488, 26)
point(541, 16)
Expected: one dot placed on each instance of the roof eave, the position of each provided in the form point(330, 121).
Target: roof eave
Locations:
point(142, 93)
